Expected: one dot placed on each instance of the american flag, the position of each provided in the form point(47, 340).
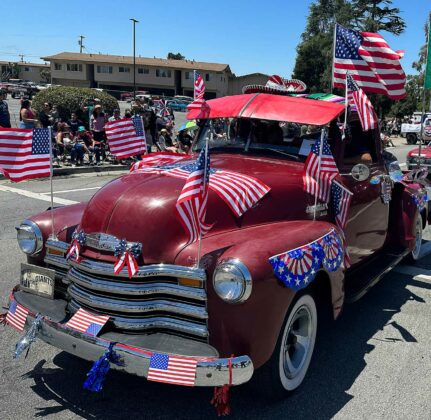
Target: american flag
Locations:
point(357, 97)
point(240, 192)
point(172, 369)
point(341, 198)
point(155, 159)
point(17, 315)
point(87, 322)
point(319, 171)
point(199, 86)
point(373, 64)
point(126, 137)
point(192, 202)
point(25, 154)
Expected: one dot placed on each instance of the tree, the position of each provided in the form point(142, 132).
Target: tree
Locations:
point(377, 15)
point(45, 75)
point(13, 70)
point(177, 56)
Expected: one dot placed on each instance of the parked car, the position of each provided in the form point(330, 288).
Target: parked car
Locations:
point(182, 98)
point(270, 269)
point(413, 158)
point(177, 105)
point(412, 131)
point(126, 96)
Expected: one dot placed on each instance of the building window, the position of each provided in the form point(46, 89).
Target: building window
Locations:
point(28, 69)
point(124, 69)
point(207, 77)
point(74, 67)
point(187, 75)
point(57, 66)
point(141, 70)
point(104, 69)
point(163, 73)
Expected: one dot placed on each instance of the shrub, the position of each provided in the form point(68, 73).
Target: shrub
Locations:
point(71, 99)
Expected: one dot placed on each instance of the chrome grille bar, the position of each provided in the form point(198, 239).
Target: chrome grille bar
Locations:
point(133, 288)
point(136, 306)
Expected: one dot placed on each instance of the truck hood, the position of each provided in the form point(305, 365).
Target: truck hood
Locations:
point(425, 152)
point(141, 206)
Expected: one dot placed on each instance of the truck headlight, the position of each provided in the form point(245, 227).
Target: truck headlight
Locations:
point(29, 237)
point(232, 281)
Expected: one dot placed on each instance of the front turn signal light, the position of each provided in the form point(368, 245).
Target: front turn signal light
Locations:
point(190, 282)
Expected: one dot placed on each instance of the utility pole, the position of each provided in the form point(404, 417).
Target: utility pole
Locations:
point(22, 57)
point(81, 45)
point(134, 57)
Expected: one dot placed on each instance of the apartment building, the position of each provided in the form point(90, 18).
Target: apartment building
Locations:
point(27, 71)
point(156, 75)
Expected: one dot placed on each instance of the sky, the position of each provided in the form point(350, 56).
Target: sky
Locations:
point(249, 35)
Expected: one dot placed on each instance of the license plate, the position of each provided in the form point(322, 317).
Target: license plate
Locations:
point(38, 280)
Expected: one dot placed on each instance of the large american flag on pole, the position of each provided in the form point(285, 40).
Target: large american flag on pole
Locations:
point(192, 202)
point(320, 170)
point(199, 86)
point(25, 153)
point(126, 137)
point(356, 96)
point(373, 64)
point(172, 369)
point(87, 322)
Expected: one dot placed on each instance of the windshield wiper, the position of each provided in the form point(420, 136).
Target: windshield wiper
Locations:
point(295, 157)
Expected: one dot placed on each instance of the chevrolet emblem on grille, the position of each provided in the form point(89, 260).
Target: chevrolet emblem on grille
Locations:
point(105, 242)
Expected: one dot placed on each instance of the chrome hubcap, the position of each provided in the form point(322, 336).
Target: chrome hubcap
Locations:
point(297, 342)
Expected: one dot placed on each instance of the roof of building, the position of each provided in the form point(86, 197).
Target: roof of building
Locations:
point(24, 63)
point(124, 59)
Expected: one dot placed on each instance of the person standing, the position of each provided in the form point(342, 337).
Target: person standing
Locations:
point(74, 123)
point(116, 116)
point(45, 116)
point(97, 127)
point(27, 117)
point(4, 110)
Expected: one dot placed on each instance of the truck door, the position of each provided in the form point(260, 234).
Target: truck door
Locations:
point(368, 218)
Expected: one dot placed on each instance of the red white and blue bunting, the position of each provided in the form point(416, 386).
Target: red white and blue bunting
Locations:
point(298, 267)
point(74, 250)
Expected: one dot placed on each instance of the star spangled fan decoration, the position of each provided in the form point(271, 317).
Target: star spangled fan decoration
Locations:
point(298, 267)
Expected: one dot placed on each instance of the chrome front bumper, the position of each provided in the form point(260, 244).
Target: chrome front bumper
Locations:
point(210, 371)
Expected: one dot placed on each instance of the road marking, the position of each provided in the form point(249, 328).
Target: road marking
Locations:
point(37, 196)
point(416, 272)
point(68, 191)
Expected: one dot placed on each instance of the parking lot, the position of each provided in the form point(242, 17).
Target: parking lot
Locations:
point(374, 362)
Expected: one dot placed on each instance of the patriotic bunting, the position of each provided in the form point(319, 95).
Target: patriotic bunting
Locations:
point(74, 250)
point(298, 267)
point(126, 257)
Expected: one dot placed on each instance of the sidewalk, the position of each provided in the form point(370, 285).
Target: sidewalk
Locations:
point(69, 170)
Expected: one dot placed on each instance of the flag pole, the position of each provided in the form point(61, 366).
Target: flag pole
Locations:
point(322, 135)
point(194, 86)
point(51, 173)
point(205, 181)
point(333, 56)
point(423, 95)
point(346, 105)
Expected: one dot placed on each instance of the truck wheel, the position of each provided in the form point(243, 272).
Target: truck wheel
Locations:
point(415, 253)
point(411, 138)
point(289, 363)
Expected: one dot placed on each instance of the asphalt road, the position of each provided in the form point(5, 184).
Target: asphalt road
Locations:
point(374, 362)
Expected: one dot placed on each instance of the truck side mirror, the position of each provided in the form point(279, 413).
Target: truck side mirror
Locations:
point(360, 172)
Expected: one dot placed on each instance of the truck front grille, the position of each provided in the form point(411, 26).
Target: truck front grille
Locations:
point(151, 301)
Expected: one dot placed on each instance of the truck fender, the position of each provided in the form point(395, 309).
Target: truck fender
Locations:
point(253, 327)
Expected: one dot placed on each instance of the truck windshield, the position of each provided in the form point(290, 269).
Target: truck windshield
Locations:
point(243, 135)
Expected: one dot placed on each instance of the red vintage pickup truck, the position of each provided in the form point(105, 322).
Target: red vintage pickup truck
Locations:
point(230, 311)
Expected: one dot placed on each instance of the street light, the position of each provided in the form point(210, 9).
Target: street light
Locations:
point(134, 58)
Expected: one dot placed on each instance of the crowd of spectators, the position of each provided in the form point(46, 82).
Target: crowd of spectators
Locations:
point(82, 141)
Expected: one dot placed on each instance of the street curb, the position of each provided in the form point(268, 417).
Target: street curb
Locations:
point(68, 170)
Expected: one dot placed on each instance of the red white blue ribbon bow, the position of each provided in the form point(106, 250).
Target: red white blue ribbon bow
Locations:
point(126, 256)
point(78, 240)
point(126, 259)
